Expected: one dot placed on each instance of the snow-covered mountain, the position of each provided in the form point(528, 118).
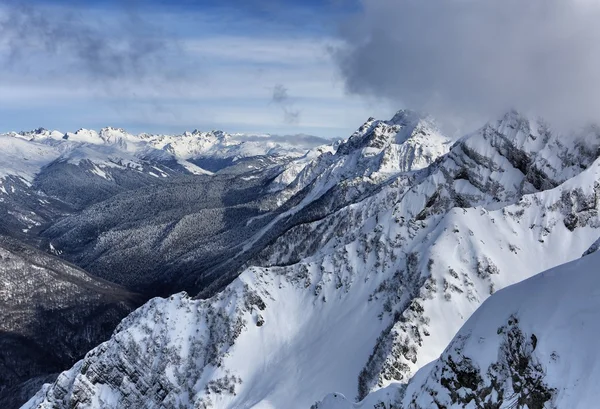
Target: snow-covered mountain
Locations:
point(109, 148)
point(530, 345)
point(26, 153)
point(45, 175)
point(377, 151)
point(393, 240)
point(216, 149)
point(198, 234)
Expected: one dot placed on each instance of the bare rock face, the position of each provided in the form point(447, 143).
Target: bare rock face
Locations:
point(516, 376)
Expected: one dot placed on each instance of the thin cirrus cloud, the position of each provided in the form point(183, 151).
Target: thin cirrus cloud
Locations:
point(471, 59)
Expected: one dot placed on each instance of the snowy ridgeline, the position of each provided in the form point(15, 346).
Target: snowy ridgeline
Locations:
point(360, 298)
point(25, 154)
point(47, 176)
point(190, 233)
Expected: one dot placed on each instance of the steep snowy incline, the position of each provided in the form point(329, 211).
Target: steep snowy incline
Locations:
point(515, 156)
point(475, 172)
point(408, 141)
point(531, 345)
point(379, 294)
point(291, 170)
point(22, 207)
point(444, 261)
point(492, 167)
point(244, 348)
point(203, 245)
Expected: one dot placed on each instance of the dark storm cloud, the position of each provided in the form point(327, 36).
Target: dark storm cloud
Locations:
point(113, 44)
point(474, 58)
point(282, 98)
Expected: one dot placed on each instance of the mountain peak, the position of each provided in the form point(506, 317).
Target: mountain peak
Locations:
point(516, 121)
point(111, 129)
point(404, 125)
point(117, 136)
point(215, 133)
point(406, 117)
point(38, 134)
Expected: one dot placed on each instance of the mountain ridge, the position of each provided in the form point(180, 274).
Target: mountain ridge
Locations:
point(410, 257)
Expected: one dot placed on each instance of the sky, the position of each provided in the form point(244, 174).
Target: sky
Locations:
point(467, 61)
point(294, 66)
point(255, 66)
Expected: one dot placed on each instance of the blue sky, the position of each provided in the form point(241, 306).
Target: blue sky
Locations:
point(168, 66)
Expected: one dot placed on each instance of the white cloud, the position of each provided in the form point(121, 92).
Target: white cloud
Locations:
point(231, 95)
point(474, 58)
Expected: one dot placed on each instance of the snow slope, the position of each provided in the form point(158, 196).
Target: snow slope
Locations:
point(26, 155)
point(366, 295)
point(376, 152)
point(218, 144)
point(533, 343)
point(23, 158)
point(536, 339)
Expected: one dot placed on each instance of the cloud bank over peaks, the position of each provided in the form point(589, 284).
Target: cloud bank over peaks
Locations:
point(471, 59)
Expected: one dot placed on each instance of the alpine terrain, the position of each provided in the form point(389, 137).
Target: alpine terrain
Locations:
point(54, 312)
point(370, 269)
point(530, 345)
